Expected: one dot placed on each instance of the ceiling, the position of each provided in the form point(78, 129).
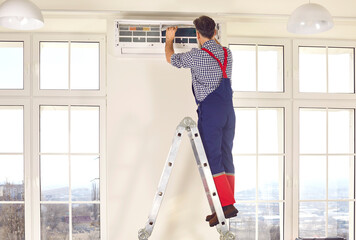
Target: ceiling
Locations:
point(340, 8)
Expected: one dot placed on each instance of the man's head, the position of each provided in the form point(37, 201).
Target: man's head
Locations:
point(205, 26)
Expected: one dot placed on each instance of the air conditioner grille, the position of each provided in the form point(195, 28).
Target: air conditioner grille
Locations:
point(137, 33)
point(149, 37)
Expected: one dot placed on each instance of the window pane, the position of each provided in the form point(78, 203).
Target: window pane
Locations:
point(270, 170)
point(270, 68)
point(11, 129)
point(86, 221)
point(54, 129)
point(340, 177)
point(85, 184)
point(312, 178)
point(312, 130)
point(11, 65)
point(341, 130)
point(269, 221)
point(270, 130)
point(54, 221)
point(12, 221)
point(341, 70)
point(245, 132)
point(85, 129)
point(312, 219)
point(54, 61)
point(245, 177)
point(339, 218)
point(312, 69)
point(11, 178)
point(244, 226)
point(244, 67)
point(84, 66)
point(54, 178)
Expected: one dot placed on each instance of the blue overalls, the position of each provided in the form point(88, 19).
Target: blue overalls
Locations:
point(216, 124)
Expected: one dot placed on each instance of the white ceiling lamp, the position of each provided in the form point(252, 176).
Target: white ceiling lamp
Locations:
point(310, 18)
point(20, 15)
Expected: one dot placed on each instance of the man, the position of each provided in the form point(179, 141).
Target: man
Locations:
point(211, 73)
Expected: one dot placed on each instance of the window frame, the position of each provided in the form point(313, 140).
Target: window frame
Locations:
point(342, 104)
point(31, 99)
point(25, 103)
point(36, 206)
point(292, 101)
point(38, 38)
point(26, 39)
point(287, 71)
point(320, 43)
point(286, 218)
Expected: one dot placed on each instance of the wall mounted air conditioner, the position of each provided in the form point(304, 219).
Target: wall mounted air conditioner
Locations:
point(149, 37)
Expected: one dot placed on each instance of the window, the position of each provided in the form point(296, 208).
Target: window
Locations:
point(69, 172)
point(262, 139)
point(14, 64)
point(69, 65)
point(261, 68)
point(12, 197)
point(325, 138)
point(326, 69)
point(311, 193)
point(259, 155)
point(257, 68)
point(11, 65)
point(326, 172)
point(41, 193)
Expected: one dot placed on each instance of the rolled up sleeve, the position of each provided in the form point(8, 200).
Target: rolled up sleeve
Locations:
point(183, 60)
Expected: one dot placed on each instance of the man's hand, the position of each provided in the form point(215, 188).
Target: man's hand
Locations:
point(170, 34)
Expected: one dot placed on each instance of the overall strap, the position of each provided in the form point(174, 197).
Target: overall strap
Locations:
point(223, 67)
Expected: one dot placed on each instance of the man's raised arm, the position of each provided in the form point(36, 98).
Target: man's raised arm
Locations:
point(170, 34)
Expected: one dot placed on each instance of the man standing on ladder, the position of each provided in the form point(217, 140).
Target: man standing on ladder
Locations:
point(211, 67)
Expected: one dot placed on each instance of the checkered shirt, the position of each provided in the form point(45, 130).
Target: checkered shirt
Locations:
point(206, 71)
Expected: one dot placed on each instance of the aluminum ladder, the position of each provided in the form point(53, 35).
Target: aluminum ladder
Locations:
point(187, 124)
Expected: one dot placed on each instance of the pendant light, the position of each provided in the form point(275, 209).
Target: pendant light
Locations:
point(310, 18)
point(20, 15)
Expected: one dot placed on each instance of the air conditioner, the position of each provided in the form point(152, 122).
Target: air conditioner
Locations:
point(149, 37)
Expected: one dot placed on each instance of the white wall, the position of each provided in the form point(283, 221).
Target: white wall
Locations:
point(147, 98)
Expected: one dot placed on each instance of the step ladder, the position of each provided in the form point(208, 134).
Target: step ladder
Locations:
point(187, 124)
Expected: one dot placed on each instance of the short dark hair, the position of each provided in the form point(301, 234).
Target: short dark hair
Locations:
point(205, 26)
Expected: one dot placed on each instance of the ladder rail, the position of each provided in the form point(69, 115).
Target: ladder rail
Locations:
point(163, 182)
point(207, 178)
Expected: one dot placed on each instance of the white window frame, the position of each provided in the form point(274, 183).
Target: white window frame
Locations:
point(68, 38)
point(27, 157)
point(286, 217)
point(287, 71)
point(319, 43)
point(342, 104)
point(26, 39)
point(292, 100)
point(36, 191)
point(31, 98)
